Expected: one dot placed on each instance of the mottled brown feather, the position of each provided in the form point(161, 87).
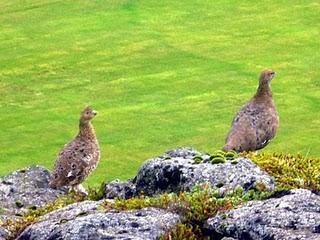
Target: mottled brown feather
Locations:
point(257, 122)
point(79, 157)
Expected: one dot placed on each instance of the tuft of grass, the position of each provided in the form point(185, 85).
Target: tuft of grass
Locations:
point(96, 193)
point(290, 171)
point(202, 202)
point(183, 232)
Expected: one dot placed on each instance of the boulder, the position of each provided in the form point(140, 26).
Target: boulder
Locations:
point(120, 189)
point(178, 170)
point(21, 190)
point(26, 188)
point(295, 215)
point(88, 220)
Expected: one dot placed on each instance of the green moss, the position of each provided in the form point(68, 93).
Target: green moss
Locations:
point(197, 159)
point(218, 155)
point(289, 171)
point(231, 154)
point(196, 205)
point(217, 160)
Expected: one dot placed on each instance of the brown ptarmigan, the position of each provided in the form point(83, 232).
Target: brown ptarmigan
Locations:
point(257, 121)
point(79, 157)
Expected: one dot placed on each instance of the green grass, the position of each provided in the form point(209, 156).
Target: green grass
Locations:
point(161, 74)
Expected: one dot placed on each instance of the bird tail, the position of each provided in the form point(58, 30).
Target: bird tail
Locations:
point(52, 184)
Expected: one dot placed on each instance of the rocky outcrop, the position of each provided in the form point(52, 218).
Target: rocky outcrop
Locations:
point(295, 215)
point(24, 189)
point(120, 189)
point(178, 170)
point(87, 220)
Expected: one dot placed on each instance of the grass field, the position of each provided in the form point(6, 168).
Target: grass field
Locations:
point(161, 74)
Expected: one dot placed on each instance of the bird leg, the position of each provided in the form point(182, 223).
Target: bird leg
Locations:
point(79, 189)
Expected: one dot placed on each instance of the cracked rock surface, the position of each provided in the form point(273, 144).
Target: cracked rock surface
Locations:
point(293, 216)
point(87, 220)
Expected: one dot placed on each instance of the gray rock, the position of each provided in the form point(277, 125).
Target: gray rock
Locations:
point(21, 190)
point(176, 171)
point(26, 188)
point(87, 220)
point(183, 152)
point(119, 189)
point(293, 216)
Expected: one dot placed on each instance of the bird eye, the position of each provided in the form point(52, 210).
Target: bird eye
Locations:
point(87, 112)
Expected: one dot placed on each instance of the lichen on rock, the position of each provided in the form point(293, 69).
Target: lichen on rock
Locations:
point(295, 215)
point(86, 220)
point(26, 188)
point(179, 173)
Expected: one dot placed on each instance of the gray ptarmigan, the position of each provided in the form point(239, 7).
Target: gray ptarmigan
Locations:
point(257, 121)
point(79, 157)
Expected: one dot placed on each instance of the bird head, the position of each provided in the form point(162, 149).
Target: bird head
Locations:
point(266, 76)
point(87, 114)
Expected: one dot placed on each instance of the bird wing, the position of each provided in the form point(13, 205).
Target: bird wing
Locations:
point(267, 126)
point(73, 163)
point(241, 136)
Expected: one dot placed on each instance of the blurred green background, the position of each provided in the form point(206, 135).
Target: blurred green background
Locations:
point(161, 74)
